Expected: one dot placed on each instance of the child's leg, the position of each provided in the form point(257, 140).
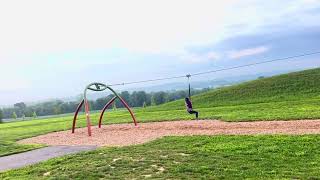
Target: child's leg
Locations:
point(194, 112)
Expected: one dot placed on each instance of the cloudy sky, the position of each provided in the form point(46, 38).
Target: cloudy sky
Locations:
point(54, 48)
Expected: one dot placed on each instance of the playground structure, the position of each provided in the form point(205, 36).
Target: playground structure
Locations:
point(98, 87)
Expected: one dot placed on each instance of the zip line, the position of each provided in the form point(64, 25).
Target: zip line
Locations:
point(214, 71)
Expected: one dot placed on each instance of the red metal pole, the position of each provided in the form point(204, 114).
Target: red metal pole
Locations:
point(132, 115)
point(88, 117)
point(87, 108)
point(105, 108)
point(76, 115)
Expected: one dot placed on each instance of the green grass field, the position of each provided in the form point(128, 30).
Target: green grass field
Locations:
point(285, 97)
point(206, 157)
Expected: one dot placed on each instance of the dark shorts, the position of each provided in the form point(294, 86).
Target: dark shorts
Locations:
point(194, 112)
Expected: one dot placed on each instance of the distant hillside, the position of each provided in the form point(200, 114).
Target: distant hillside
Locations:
point(286, 87)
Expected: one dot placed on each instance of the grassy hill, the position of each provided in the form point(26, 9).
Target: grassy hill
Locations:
point(284, 97)
point(287, 87)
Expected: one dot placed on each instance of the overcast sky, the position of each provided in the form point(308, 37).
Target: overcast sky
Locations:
point(54, 48)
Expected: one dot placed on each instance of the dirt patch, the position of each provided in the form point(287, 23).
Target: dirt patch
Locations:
point(127, 134)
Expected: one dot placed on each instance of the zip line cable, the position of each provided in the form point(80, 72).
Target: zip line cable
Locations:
point(150, 80)
point(217, 70)
point(253, 64)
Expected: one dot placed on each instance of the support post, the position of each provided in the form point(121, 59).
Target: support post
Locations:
point(131, 113)
point(86, 105)
point(105, 108)
point(76, 115)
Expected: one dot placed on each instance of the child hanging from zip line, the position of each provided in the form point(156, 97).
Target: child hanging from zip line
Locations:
point(189, 107)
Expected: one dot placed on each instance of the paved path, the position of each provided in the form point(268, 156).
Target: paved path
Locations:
point(38, 155)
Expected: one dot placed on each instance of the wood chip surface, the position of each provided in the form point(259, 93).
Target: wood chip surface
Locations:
point(128, 134)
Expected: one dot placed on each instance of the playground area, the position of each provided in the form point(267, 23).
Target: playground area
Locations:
point(128, 134)
point(264, 128)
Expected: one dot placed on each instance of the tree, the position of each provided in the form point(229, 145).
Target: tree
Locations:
point(114, 106)
point(57, 109)
point(14, 115)
point(125, 96)
point(153, 101)
point(144, 105)
point(149, 96)
point(142, 98)
point(34, 115)
point(28, 112)
point(100, 102)
point(137, 98)
point(1, 115)
point(20, 105)
point(133, 99)
point(67, 107)
point(20, 108)
point(160, 97)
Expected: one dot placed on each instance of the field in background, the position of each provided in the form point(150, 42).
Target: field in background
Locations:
point(284, 97)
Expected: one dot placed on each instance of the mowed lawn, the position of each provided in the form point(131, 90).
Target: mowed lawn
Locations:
point(206, 157)
point(11, 132)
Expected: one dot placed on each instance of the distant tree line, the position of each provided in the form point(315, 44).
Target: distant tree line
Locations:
point(1, 115)
point(55, 107)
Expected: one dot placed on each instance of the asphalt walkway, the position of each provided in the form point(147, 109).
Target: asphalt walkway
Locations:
point(32, 157)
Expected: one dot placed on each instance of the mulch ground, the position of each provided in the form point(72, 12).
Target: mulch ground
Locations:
point(128, 134)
